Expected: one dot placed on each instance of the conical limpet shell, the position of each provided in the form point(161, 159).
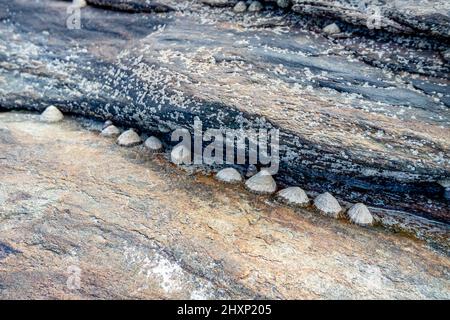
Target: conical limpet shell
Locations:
point(262, 182)
point(153, 144)
point(51, 114)
point(360, 214)
point(229, 175)
point(328, 205)
point(110, 131)
point(294, 196)
point(129, 138)
point(181, 154)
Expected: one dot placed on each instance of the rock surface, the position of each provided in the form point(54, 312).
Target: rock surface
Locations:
point(365, 115)
point(71, 200)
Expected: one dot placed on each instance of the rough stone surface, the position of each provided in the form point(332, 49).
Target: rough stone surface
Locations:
point(129, 138)
point(262, 183)
point(153, 144)
point(110, 131)
point(328, 205)
point(294, 196)
point(74, 200)
point(229, 175)
point(365, 115)
point(360, 214)
point(51, 114)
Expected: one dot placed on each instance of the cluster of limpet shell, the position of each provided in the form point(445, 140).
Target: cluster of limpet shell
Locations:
point(261, 182)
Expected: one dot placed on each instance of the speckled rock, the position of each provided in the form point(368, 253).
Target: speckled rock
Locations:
point(359, 214)
point(294, 196)
point(153, 144)
point(180, 155)
point(255, 6)
point(110, 131)
point(229, 175)
point(262, 183)
point(332, 29)
point(129, 138)
point(328, 205)
point(240, 7)
point(51, 114)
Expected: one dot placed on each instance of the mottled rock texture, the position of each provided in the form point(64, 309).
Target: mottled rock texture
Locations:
point(136, 227)
point(365, 115)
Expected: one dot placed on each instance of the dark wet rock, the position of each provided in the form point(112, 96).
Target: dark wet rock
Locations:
point(6, 250)
point(363, 116)
point(134, 5)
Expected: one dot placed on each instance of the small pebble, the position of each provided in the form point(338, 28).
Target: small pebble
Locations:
point(294, 196)
point(110, 131)
point(331, 29)
point(229, 175)
point(262, 183)
point(255, 6)
point(153, 144)
point(328, 205)
point(359, 214)
point(51, 114)
point(181, 155)
point(129, 138)
point(240, 7)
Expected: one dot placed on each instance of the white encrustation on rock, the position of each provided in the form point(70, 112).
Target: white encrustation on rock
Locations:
point(153, 144)
point(110, 131)
point(181, 154)
point(255, 6)
point(229, 175)
point(359, 214)
point(294, 196)
point(332, 29)
point(283, 3)
point(262, 183)
point(328, 205)
point(79, 3)
point(129, 138)
point(51, 114)
point(107, 124)
point(240, 7)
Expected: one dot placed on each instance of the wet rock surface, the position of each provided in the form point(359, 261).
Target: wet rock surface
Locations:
point(363, 115)
point(72, 200)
